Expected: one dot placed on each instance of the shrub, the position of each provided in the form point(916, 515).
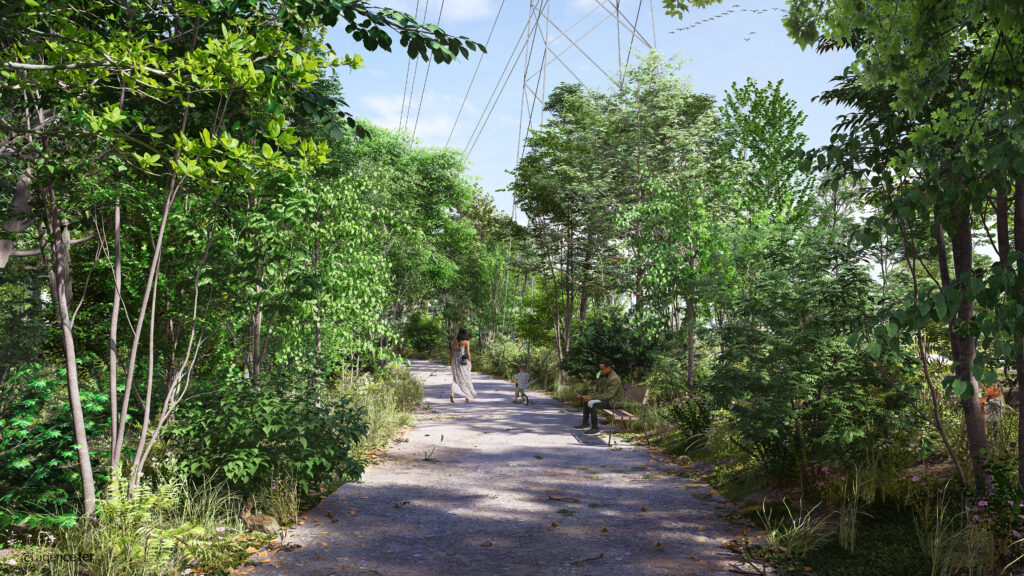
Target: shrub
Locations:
point(249, 434)
point(607, 334)
point(424, 333)
point(692, 417)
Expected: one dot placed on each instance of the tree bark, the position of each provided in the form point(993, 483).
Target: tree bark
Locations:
point(154, 269)
point(964, 349)
point(137, 462)
point(61, 288)
point(115, 314)
point(1018, 238)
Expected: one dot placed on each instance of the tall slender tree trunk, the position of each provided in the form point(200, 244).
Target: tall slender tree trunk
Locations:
point(1018, 240)
point(584, 304)
point(690, 338)
point(147, 408)
point(964, 349)
point(154, 270)
point(691, 322)
point(60, 285)
point(115, 314)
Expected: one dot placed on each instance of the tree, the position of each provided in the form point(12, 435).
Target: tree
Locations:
point(190, 100)
point(560, 184)
point(950, 153)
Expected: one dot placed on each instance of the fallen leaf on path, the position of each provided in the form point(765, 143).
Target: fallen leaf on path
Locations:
point(644, 509)
point(554, 524)
point(564, 499)
point(603, 529)
point(351, 511)
point(488, 543)
point(658, 544)
point(582, 560)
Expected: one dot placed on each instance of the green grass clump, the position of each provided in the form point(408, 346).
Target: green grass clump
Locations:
point(165, 527)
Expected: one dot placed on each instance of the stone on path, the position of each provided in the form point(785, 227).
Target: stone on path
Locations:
point(510, 489)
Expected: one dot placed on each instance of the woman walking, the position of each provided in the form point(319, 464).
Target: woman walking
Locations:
point(462, 367)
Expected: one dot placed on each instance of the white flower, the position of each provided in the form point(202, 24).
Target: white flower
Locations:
point(12, 562)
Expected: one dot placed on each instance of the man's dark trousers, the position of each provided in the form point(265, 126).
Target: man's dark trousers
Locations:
point(590, 412)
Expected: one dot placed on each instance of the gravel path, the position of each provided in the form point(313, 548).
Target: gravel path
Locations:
point(482, 504)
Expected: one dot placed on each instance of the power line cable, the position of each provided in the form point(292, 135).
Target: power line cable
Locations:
point(507, 78)
point(625, 24)
point(408, 65)
point(507, 63)
point(485, 115)
point(582, 51)
point(415, 72)
point(654, 31)
point(542, 74)
point(618, 33)
point(526, 71)
point(471, 80)
point(425, 78)
point(632, 38)
point(522, 108)
point(572, 43)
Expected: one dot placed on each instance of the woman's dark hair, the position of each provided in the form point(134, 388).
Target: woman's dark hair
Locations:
point(463, 334)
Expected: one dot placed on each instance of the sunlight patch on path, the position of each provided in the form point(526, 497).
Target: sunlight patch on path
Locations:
point(493, 487)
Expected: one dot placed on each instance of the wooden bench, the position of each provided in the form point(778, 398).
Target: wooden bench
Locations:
point(634, 394)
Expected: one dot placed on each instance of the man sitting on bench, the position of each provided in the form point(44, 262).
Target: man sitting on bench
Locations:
point(608, 395)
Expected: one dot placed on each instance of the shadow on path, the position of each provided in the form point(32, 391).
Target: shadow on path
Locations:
point(481, 504)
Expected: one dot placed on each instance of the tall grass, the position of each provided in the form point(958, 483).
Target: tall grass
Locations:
point(798, 532)
point(165, 527)
point(388, 399)
point(951, 544)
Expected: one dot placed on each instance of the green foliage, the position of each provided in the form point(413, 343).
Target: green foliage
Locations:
point(692, 416)
point(38, 463)
point(424, 332)
point(678, 8)
point(607, 334)
point(248, 435)
point(167, 527)
point(22, 324)
point(387, 398)
point(798, 388)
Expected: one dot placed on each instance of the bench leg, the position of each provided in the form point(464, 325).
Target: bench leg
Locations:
point(611, 424)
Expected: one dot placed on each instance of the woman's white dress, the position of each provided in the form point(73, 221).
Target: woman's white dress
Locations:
point(462, 381)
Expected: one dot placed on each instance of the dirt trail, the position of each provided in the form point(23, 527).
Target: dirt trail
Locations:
point(481, 504)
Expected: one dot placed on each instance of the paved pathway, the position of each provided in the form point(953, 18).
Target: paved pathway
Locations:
point(484, 502)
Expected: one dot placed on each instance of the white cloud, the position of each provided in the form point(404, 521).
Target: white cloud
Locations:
point(454, 10)
point(468, 10)
point(436, 116)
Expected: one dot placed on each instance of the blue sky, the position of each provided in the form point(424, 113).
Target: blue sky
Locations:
point(747, 42)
